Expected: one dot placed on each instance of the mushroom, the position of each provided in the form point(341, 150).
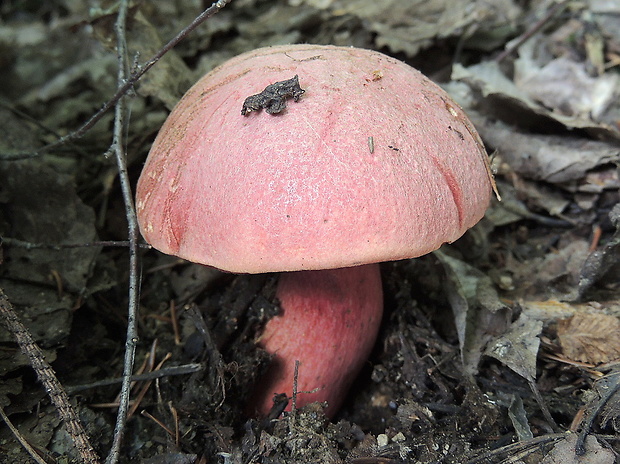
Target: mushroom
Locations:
point(373, 163)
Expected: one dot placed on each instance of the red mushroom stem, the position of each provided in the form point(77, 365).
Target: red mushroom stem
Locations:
point(329, 322)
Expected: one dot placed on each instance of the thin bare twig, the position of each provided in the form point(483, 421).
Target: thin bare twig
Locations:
point(165, 372)
point(26, 117)
point(146, 386)
point(521, 448)
point(175, 417)
point(295, 383)
point(47, 377)
point(537, 26)
point(543, 406)
point(103, 243)
point(29, 449)
point(613, 388)
point(174, 320)
point(124, 86)
point(117, 148)
point(164, 427)
point(293, 417)
point(215, 357)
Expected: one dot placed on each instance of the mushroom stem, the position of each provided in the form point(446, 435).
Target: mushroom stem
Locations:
point(328, 322)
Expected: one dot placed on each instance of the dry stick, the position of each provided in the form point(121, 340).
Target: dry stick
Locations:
point(215, 357)
point(293, 418)
point(174, 320)
point(520, 448)
point(580, 444)
point(538, 25)
point(543, 406)
point(101, 243)
point(131, 339)
point(47, 377)
point(295, 383)
point(175, 417)
point(145, 413)
point(140, 395)
point(183, 369)
point(125, 85)
point(30, 119)
point(31, 451)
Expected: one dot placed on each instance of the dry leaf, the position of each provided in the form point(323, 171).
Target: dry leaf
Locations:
point(547, 310)
point(488, 78)
point(591, 338)
point(552, 158)
point(38, 204)
point(413, 25)
point(599, 262)
point(518, 347)
point(564, 453)
point(565, 86)
point(553, 274)
point(479, 314)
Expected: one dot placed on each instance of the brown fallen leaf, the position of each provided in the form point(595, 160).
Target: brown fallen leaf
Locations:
point(590, 338)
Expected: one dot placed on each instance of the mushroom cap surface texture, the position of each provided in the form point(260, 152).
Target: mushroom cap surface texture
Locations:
point(373, 163)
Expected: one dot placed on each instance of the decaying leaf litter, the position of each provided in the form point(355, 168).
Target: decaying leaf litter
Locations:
point(519, 315)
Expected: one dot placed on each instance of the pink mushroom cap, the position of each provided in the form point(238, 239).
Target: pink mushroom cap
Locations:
point(373, 163)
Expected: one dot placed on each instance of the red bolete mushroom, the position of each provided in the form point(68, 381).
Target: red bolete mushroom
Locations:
point(374, 162)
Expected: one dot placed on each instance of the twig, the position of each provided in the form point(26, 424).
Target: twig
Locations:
point(125, 85)
point(520, 448)
point(543, 405)
point(148, 363)
point(175, 417)
point(538, 25)
point(295, 383)
point(613, 388)
point(293, 417)
point(174, 320)
point(103, 243)
point(30, 119)
point(145, 413)
point(146, 386)
point(165, 372)
point(215, 357)
point(29, 449)
point(132, 231)
point(47, 377)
